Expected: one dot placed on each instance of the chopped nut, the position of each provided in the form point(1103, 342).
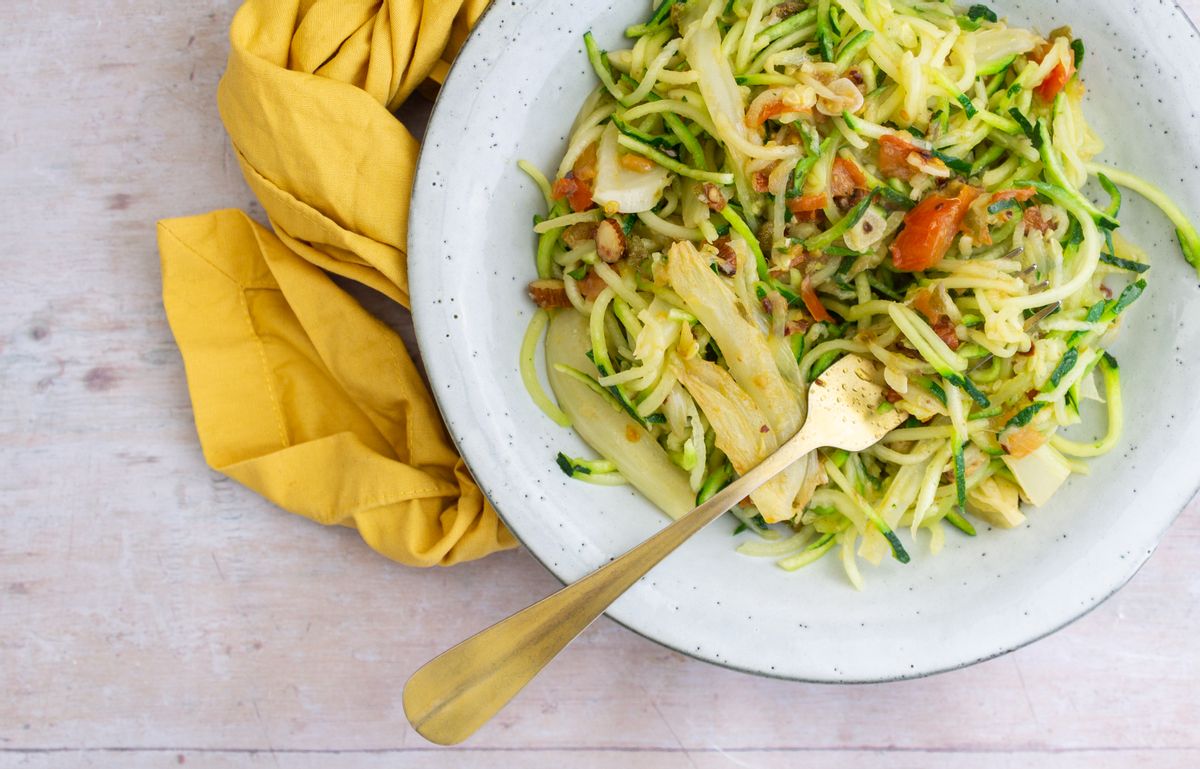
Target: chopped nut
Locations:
point(784, 10)
point(846, 177)
point(797, 325)
point(726, 256)
point(1035, 220)
point(548, 293)
point(799, 257)
point(846, 202)
point(579, 233)
point(591, 285)
point(714, 197)
point(610, 240)
point(947, 332)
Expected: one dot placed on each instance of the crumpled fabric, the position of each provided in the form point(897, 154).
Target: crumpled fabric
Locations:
point(298, 392)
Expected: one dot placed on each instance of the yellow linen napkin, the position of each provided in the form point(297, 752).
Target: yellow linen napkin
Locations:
point(298, 392)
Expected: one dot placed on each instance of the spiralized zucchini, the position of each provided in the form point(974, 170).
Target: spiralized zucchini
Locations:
point(759, 187)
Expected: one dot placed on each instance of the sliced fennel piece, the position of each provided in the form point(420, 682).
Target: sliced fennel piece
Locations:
point(998, 502)
point(631, 192)
point(737, 423)
point(1039, 474)
point(995, 48)
point(748, 356)
point(613, 434)
point(702, 48)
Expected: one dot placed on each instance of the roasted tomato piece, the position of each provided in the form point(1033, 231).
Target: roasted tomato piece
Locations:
point(893, 157)
point(930, 229)
point(846, 178)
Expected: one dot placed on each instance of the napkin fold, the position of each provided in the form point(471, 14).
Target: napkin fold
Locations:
point(298, 392)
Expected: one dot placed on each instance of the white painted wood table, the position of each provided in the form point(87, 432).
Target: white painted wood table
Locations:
point(154, 613)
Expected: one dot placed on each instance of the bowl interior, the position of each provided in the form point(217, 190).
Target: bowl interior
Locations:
point(513, 94)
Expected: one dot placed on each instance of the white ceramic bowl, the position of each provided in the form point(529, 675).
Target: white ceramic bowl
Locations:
point(513, 94)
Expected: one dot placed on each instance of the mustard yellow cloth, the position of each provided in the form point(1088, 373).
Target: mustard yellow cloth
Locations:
point(298, 392)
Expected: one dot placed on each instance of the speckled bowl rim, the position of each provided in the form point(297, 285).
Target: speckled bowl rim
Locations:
point(427, 344)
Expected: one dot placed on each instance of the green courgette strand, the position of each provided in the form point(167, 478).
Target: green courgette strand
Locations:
point(671, 164)
point(598, 61)
point(1185, 230)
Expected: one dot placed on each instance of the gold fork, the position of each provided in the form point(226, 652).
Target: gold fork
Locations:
point(454, 694)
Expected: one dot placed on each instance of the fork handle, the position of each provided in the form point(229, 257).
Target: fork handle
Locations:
point(458, 691)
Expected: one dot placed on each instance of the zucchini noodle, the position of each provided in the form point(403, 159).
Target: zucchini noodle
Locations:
point(533, 334)
point(757, 188)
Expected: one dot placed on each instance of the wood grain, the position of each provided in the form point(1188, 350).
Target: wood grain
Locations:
point(154, 613)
